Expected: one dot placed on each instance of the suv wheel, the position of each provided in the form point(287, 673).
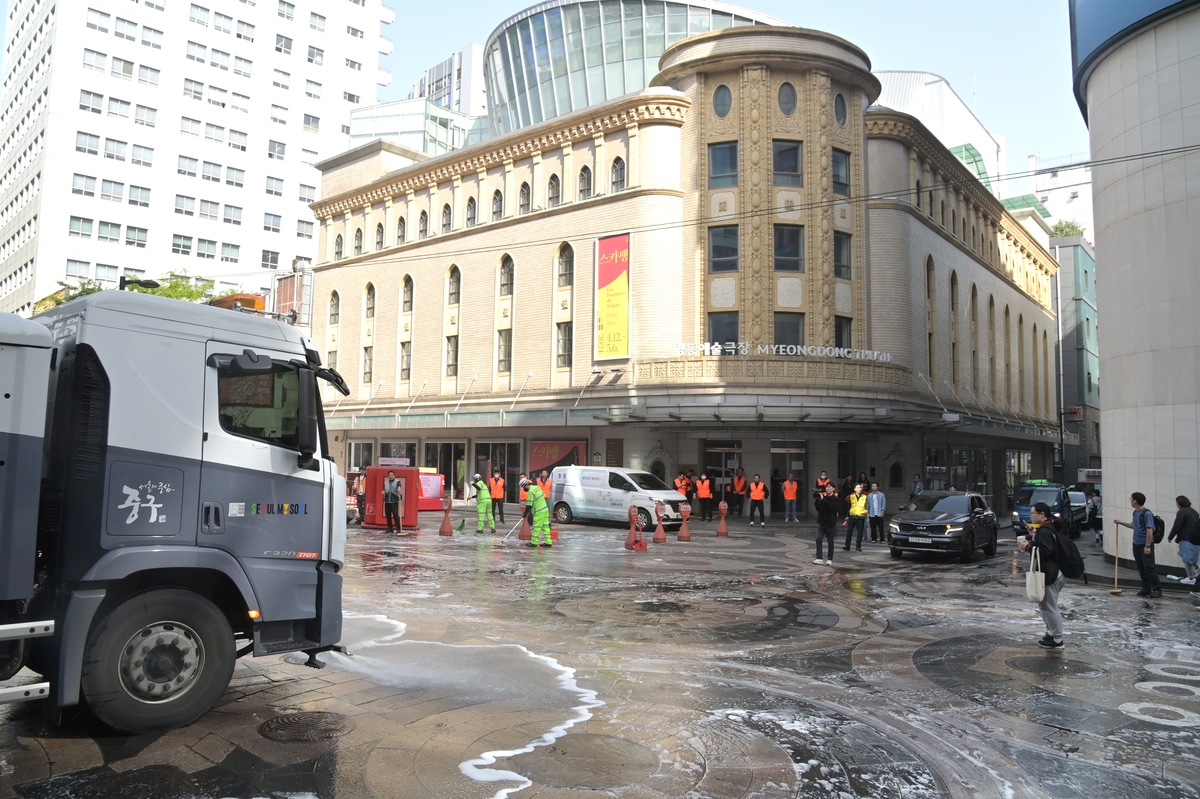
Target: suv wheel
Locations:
point(989, 549)
point(968, 550)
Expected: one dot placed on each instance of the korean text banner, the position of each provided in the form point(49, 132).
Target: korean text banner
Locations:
point(612, 297)
point(548, 454)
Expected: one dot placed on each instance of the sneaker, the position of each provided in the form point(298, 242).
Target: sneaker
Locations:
point(531, 545)
point(751, 524)
point(1047, 638)
point(547, 546)
point(1143, 593)
point(1195, 594)
point(1188, 581)
point(1156, 594)
point(819, 562)
point(1051, 644)
point(829, 562)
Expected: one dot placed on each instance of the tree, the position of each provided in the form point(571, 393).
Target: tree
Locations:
point(180, 286)
point(68, 291)
point(1066, 228)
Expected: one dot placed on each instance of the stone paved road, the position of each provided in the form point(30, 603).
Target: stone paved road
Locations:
point(727, 667)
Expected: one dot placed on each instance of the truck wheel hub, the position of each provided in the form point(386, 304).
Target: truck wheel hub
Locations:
point(161, 661)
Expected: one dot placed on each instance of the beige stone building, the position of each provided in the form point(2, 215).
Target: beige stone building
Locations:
point(814, 284)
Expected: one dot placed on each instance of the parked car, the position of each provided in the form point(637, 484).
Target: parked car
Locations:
point(603, 493)
point(956, 522)
point(1053, 494)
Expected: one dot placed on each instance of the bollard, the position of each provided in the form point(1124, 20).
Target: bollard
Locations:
point(1116, 589)
point(685, 534)
point(446, 529)
point(526, 533)
point(660, 534)
point(634, 542)
point(722, 528)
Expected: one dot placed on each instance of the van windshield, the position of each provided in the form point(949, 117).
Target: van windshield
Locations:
point(1028, 496)
point(648, 482)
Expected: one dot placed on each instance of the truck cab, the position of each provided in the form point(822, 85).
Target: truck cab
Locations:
point(185, 501)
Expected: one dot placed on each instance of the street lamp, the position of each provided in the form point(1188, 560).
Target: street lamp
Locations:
point(144, 283)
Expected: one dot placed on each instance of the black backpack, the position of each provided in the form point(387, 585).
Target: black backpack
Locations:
point(1067, 556)
point(1160, 528)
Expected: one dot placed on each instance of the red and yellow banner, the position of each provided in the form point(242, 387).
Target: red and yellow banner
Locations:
point(612, 297)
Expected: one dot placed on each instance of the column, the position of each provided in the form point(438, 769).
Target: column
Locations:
point(434, 211)
point(536, 190)
point(483, 200)
point(913, 175)
point(633, 178)
point(568, 175)
point(330, 235)
point(410, 224)
point(509, 200)
point(389, 224)
point(368, 230)
point(456, 206)
point(599, 172)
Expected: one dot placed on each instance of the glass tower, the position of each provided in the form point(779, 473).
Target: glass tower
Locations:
point(563, 56)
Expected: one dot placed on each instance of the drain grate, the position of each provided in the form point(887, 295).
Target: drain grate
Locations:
point(306, 726)
point(1056, 667)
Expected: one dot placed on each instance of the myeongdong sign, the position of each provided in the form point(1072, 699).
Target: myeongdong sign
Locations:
point(742, 348)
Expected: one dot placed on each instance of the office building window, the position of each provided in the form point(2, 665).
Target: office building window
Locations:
point(789, 329)
point(79, 268)
point(553, 192)
point(142, 156)
point(841, 255)
point(406, 360)
point(788, 163)
point(139, 195)
point(507, 276)
point(447, 218)
point(235, 177)
point(406, 295)
point(80, 228)
point(617, 178)
point(422, 225)
point(566, 265)
point(451, 356)
point(84, 185)
point(230, 253)
point(379, 236)
point(723, 326)
point(335, 309)
point(185, 205)
point(503, 351)
point(271, 222)
point(585, 183)
point(401, 232)
point(233, 215)
point(368, 365)
point(87, 143)
point(789, 248)
point(304, 229)
point(722, 165)
point(122, 69)
point(210, 209)
point(316, 22)
point(454, 286)
point(566, 345)
point(206, 249)
point(112, 191)
point(181, 245)
point(316, 55)
point(524, 199)
point(276, 150)
point(90, 101)
point(497, 206)
point(471, 212)
point(369, 307)
point(136, 237)
point(841, 173)
point(723, 249)
point(109, 231)
point(148, 75)
point(358, 241)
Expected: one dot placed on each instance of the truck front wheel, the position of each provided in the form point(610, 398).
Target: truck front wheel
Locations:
point(158, 660)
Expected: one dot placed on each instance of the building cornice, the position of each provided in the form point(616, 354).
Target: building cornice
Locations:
point(908, 130)
point(653, 106)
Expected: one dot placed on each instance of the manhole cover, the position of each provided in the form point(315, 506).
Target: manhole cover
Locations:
point(1055, 667)
point(587, 761)
point(306, 726)
point(654, 606)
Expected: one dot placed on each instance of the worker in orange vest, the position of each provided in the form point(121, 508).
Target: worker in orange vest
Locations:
point(545, 484)
point(790, 488)
point(496, 489)
point(524, 495)
point(704, 494)
point(758, 493)
point(819, 491)
point(691, 485)
point(681, 483)
point(739, 491)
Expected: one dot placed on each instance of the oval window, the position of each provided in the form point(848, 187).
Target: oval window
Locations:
point(787, 99)
point(722, 101)
point(839, 109)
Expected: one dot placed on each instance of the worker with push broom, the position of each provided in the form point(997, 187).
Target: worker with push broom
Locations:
point(539, 514)
point(483, 505)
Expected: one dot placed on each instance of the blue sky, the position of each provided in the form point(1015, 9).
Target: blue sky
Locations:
point(1017, 54)
point(1011, 61)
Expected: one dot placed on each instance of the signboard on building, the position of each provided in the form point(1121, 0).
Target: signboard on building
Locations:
point(548, 454)
point(612, 297)
point(1075, 413)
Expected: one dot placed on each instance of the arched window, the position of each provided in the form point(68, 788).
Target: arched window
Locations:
point(1021, 361)
point(506, 276)
point(335, 309)
point(617, 180)
point(896, 476)
point(553, 192)
point(339, 248)
point(358, 241)
point(974, 312)
point(497, 206)
point(585, 183)
point(1007, 358)
point(369, 306)
point(943, 213)
point(379, 236)
point(524, 199)
point(471, 212)
point(930, 320)
point(954, 328)
point(406, 296)
point(454, 287)
point(447, 218)
point(918, 195)
point(1037, 394)
point(423, 225)
point(566, 265)
point(401, 231)
point(993, 386)
point(953, 222)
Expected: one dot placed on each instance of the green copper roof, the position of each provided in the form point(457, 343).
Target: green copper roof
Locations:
point(1026, 201)
point(974, 161)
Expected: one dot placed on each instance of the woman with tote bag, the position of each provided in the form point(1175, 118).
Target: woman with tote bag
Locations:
point(1044, 577)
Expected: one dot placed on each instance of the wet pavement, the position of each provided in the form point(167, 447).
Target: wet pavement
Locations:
point(724, 667)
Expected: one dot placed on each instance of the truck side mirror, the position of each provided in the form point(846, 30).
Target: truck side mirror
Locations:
point(306, 428)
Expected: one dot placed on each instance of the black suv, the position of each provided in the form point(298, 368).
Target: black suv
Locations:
point(944, 521)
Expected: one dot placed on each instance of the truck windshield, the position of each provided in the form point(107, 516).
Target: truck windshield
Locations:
point(1031, 495)
point(648, 482)
point(263, 406)
point(951, 504)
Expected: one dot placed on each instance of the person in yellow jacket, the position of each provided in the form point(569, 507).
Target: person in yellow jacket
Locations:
point(857, 521)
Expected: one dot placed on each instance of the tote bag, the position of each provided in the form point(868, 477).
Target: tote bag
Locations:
point(1035, 579)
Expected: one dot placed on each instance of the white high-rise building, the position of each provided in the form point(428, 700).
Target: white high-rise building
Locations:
point(163, 136)
point(456, 83)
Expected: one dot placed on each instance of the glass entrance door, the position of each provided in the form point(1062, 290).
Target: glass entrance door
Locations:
point(450, 460)
point(788, 457)
point(721, 461)
point(505, 456)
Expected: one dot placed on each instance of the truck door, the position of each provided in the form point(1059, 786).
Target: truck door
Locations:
point(257, 500)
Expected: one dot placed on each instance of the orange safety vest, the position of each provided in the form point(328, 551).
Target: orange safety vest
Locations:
point(681, 485)
point(545, 486)
point(758, 491)
point(704, 489)
point(497, 486)
point(524, 493)
point(739, 485)
point(789, 489)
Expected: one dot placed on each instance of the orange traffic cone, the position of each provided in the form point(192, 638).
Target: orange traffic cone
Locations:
point(660, 534)
point(685, 534)
point(526, 533)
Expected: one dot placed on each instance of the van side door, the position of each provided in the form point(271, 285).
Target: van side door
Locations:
point(257, 501)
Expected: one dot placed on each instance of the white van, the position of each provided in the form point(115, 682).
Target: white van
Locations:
point(605, 494)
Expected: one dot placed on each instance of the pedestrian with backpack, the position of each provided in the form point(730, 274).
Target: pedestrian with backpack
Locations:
point(1186, 531)
point(1145, 536)
point(1042, 544)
